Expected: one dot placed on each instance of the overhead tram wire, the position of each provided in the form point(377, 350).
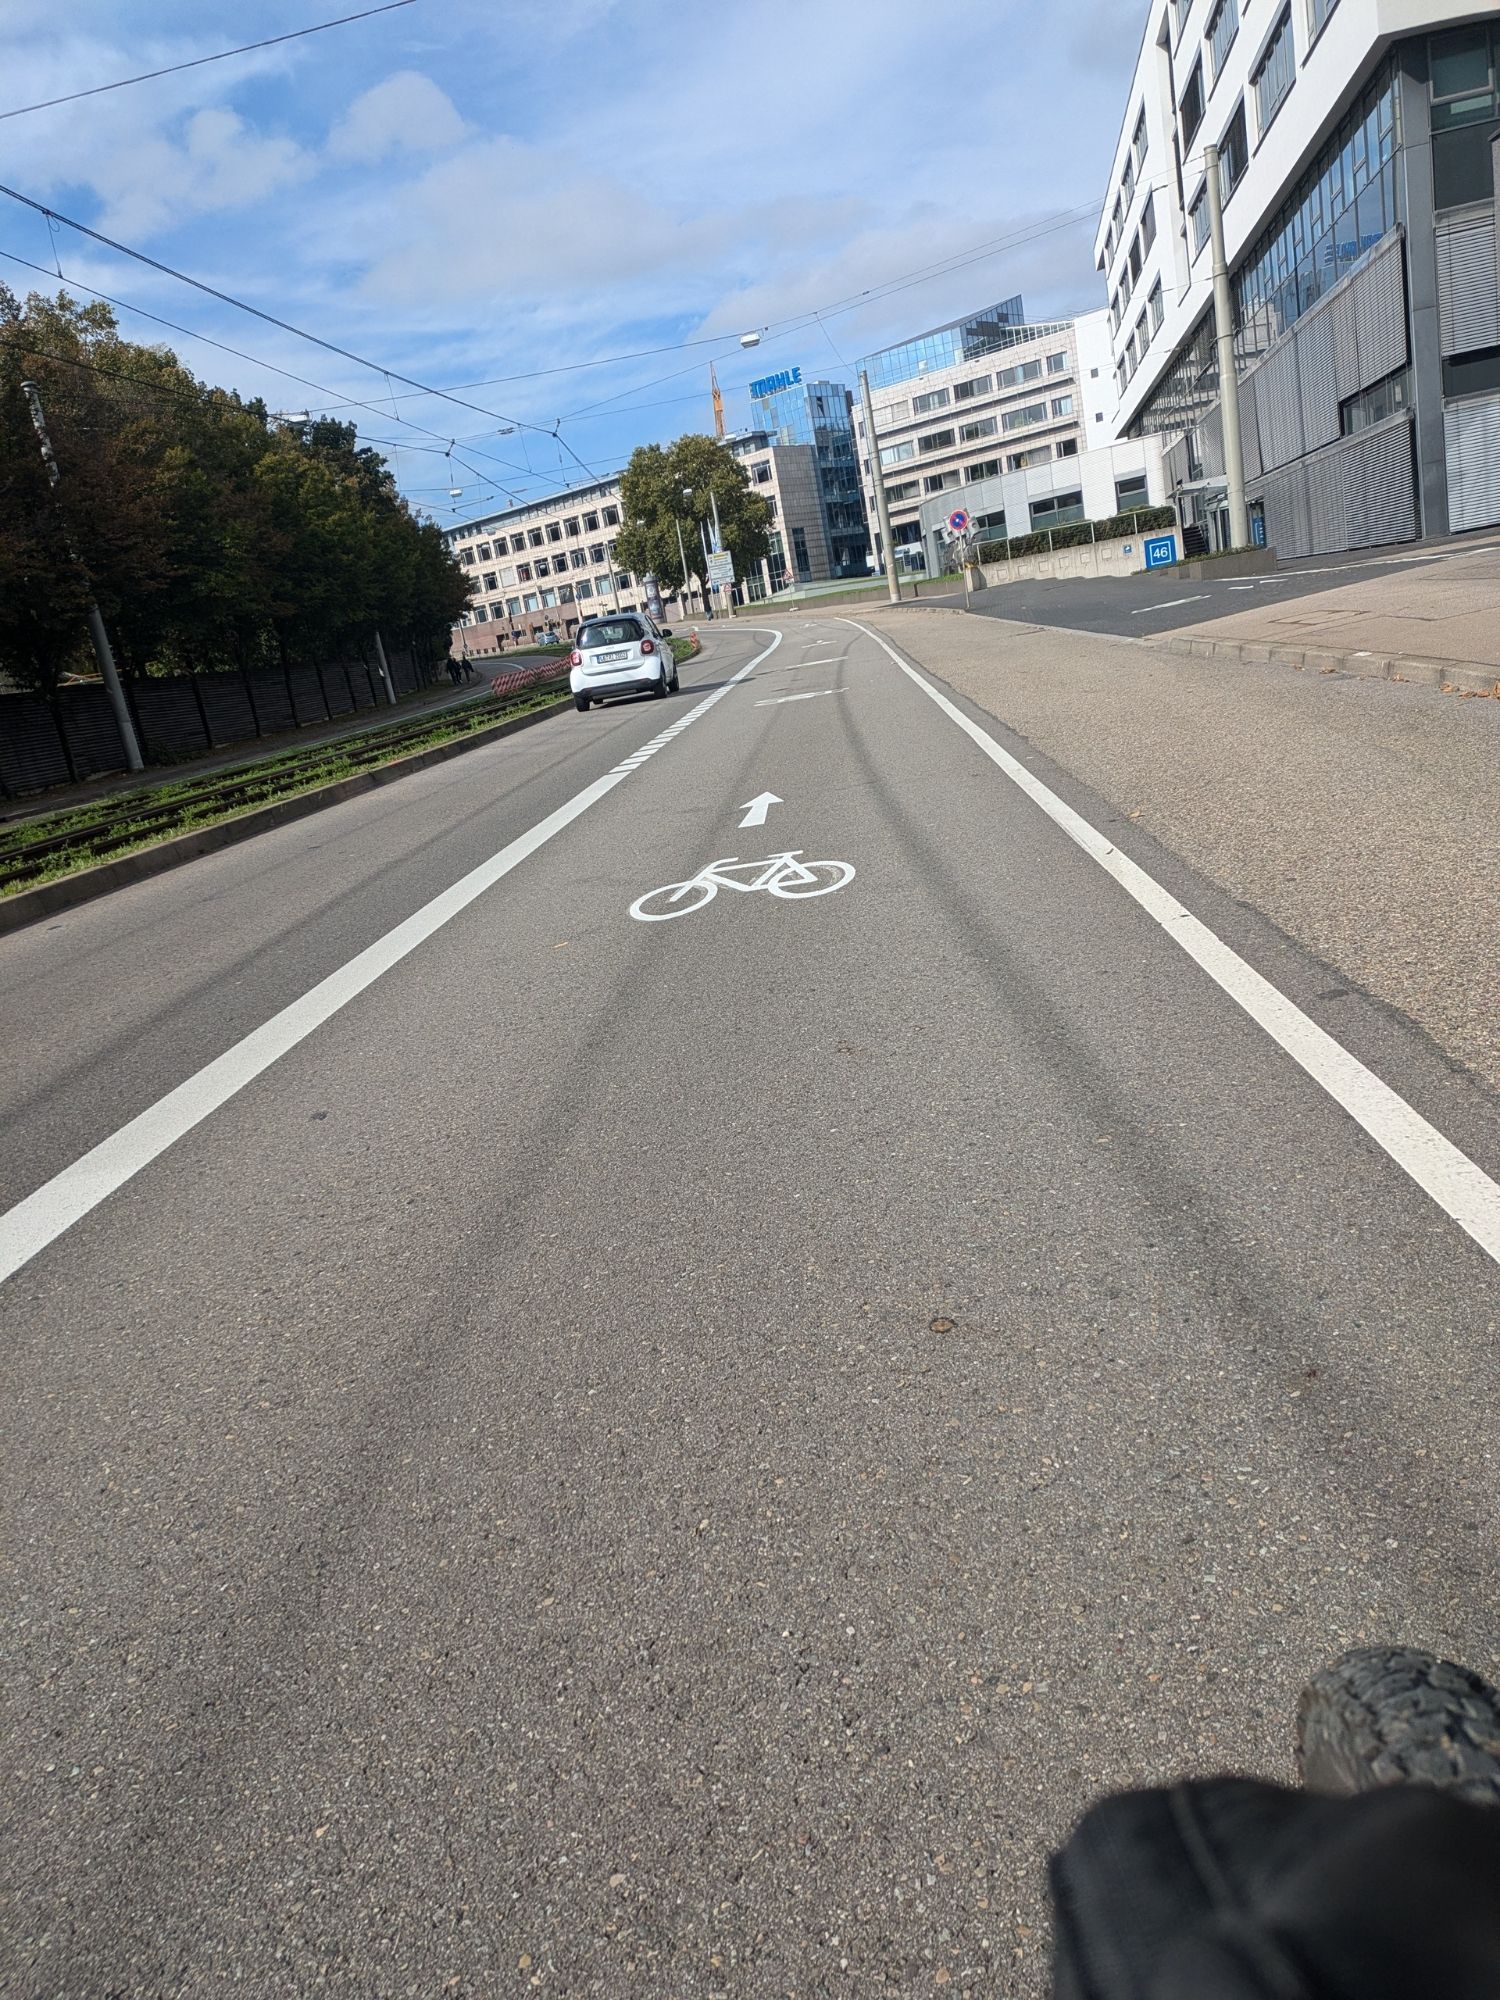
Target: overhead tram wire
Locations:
point(287, 326)
point(241, 354)
point(197, 62)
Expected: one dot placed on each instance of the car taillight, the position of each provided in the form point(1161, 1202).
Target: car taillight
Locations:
point(577, 660)
point(648, 646)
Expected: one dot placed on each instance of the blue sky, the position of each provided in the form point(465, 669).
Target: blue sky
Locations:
point(470, 193)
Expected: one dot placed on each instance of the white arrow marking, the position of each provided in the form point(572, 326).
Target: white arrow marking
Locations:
point(756, 809)
point(812, 695)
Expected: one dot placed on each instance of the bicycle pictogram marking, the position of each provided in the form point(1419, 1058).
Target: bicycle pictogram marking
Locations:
point(779, 874)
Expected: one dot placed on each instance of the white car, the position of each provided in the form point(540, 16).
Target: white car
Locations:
point(624, 653)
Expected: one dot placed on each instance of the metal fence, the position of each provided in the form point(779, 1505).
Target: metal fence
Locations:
point(73, 735)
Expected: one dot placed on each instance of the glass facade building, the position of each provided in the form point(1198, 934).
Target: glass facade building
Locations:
point(819, 415)
point(947, 346)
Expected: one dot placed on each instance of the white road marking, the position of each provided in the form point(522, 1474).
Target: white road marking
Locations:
point(1171, 603)
point(42, 1217)
point(757, 808)
point(1459, 1187)
point(813, 694)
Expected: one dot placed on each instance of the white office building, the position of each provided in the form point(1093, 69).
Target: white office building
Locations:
point(543, 566)
point(998, 418)
point(1358, 142)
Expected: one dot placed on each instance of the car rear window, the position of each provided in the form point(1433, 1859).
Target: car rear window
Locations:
point(610, 632)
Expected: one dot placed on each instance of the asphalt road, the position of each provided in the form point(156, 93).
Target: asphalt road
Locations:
point(1161, 600)
point(599, 1455)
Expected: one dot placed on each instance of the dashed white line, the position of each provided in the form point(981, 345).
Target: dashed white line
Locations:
point(42, 1217)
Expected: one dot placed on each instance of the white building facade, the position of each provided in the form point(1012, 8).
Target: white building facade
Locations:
point(999, 418)
point(1358, 142)
point(541, 567)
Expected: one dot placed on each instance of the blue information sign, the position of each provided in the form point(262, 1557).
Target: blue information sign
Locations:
point(767, 385)
point(1161, 551)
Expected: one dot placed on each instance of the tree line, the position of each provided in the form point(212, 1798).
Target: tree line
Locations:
point(212, 535)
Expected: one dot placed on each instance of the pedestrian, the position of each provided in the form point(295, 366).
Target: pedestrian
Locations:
point(455, 669)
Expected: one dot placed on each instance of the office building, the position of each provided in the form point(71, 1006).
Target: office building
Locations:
point(543, 566)
point(993, 415)
point(819, 415)
point(1358, 142)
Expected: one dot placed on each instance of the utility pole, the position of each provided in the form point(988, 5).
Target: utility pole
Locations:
point(133, 758)
point(682, 558)
point(1229, 384)
point(385, 670)
point(877, 478)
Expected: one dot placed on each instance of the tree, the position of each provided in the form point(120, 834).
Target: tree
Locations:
point(664, 487)
point(211, 537)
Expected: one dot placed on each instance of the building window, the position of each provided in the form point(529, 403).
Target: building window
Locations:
point(1138, 142)
point(983, 427)
point(542, 567)
point(977, 385)
point(987, 468)
point(1465, 106)
point(1274, 72)
point(1383, 399)
point(583, 588)
point(1155, 306)
point(939, 482)
point(1190, 106)
point(1025, 371)
point(578, 558)
point(483, 552)
point(1135, 258)
point(531, 601)
point(467, 556)
point(1223, 26)
point(1025, 416)
point(1234, 153)
point(1148, 225)
point(897, 454)
point(536, 538)
point(591, 524)
point(1062, 406)
point(596, 553)
point(491, 581)
point(518, 545)
point(1131, 492)
point(1022, 461)
point(761, 472)
point(1057, 364)
point(554, 531)
point(1198, 217)
point(934, 399)
point(512, 607)
point(1475, 374)
point(549, 600)
point(934, 441)
point(572, 527)
point(611, 517)
point(1067, 447)
point(1318, 12)
point(908, 489)
point(1057, 510)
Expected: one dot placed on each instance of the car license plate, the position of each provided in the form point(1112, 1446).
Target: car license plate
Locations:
point(620, 653)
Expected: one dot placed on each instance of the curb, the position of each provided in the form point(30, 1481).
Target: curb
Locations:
point(1452, 676)
point(28, 905)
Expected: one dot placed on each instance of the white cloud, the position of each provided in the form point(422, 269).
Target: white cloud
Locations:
point(219, 163)
point(407, 113)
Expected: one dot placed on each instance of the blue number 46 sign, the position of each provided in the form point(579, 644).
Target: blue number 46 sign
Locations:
point(1161, 551)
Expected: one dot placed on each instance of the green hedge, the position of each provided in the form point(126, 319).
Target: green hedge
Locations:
point(1078, 534)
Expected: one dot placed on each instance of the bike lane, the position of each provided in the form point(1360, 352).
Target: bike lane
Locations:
point(695, 1488)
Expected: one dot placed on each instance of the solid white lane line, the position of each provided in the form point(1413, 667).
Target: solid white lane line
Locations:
point(1171, 604)
point(1459, 1187)
point(42, 1217)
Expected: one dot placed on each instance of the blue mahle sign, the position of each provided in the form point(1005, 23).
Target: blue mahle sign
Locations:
point(769, 384)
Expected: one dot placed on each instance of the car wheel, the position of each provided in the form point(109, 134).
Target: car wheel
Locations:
point(663, 684)
point(580, 702)
point(676, 679)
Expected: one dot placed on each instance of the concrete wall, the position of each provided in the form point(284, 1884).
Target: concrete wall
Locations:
point(1090, 559)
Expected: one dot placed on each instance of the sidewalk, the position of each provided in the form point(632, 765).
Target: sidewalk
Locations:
point(431, 701)
point(1438, 624)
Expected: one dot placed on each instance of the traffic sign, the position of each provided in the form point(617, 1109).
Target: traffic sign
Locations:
point(721, 568)
point(1161, 551)
point(958, 520)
